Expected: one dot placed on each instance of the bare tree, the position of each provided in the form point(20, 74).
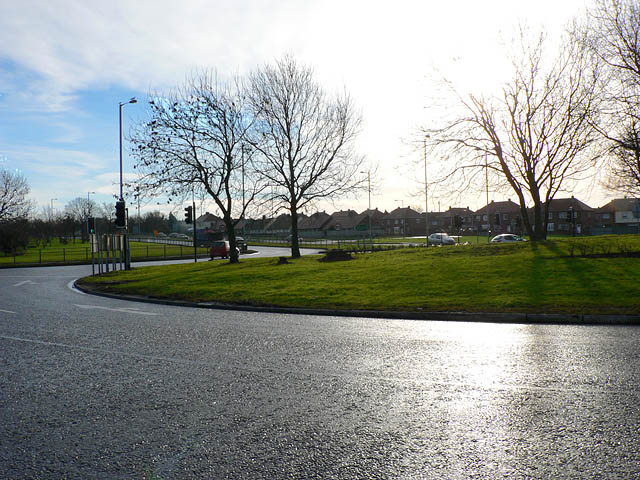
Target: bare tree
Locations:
point(306, 138)
point(537, 136)
point(624, 165)
point(195, 141)
point(14, 189)
point(80, 209)
point(612, 35)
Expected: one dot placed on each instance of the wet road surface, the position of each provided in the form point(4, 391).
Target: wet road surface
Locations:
point(92, 387)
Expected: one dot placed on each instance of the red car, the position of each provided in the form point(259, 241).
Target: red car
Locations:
point(220, 249)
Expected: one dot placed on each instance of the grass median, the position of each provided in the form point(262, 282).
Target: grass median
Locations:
point(596, 275)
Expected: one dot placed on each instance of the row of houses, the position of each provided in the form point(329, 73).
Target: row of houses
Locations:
point(566, 215)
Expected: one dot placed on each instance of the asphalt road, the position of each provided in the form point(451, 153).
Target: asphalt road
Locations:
point(92, 387)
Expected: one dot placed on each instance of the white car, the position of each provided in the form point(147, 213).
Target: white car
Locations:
point(440, 239)
point(507, 238)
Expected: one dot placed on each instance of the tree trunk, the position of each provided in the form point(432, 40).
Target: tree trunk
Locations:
point(231, 235)
point(539, 225)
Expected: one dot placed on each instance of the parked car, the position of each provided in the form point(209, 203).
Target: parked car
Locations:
point(440, 239)
point(506, 238)
point(220, 249)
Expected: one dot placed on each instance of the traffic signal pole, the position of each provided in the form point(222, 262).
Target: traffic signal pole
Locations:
point(195, 234)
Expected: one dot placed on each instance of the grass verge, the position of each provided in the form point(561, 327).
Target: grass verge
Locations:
point(583, 276)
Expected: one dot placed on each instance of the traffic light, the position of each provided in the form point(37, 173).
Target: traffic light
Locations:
point(120, 214)
point(91, 225)
point(188, 214)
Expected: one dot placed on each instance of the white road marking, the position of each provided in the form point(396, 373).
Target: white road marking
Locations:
point(7, 311)
point(24, 282)
point(74, 289)
point(121, 310)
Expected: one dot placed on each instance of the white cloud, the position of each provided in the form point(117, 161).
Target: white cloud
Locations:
point(382, 52)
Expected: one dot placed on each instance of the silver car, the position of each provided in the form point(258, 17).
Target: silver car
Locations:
point(506, 238)
point(440, 239)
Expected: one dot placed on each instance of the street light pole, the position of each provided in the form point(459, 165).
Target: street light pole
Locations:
point(426, 197)
point(127, 259)
point(486, 183)
point(242, 219)
point(369, 184)
point(88, 203)
point(404, 219)
point(51, 217)
point(88, 210)
point(122, 104)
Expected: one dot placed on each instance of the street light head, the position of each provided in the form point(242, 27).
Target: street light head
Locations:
point(133, 100)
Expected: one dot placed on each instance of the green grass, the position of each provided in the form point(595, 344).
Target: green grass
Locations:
point(81, 253)
point(525, 277)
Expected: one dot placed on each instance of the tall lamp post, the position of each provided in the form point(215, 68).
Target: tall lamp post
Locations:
point(51, 216)
point(127, 260)
point(426, 197)
point(368, 172)
point(89, 210)
point(404, 219)
point(243, 149)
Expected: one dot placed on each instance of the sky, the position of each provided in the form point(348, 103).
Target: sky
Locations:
point(65, 66)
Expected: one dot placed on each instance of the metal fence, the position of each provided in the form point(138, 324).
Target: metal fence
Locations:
point(82, 254)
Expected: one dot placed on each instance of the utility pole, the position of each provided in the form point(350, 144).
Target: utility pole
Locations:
point(486, 183)
point(426, 197)
point(125, 244)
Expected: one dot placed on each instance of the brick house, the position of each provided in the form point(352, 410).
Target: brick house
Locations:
point(617, 216)
point(559, 220)
point(404, 221)
point(312, 226)
point(497, 217)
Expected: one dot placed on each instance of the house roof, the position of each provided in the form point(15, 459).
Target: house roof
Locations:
point(404, 212)
point(258, 224)
point(457, 211)
point(313, 222)
point(499, 207)
point(281, 222)
point(342, 219)
point(625, 204)
point(375, 213)
point(208, 217)
point(560, 204)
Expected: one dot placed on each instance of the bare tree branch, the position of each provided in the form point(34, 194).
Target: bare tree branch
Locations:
point(538, 136)
point(305, 137)
point(14, 203)
point(196, 141)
